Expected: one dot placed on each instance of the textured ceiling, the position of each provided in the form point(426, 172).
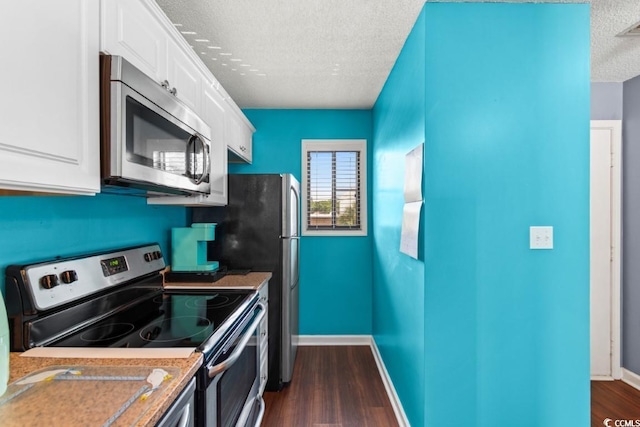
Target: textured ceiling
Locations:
point(614, 59)
point(306, 54)
point(338, 53)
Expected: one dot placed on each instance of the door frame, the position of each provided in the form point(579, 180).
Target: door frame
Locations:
point(615, 128)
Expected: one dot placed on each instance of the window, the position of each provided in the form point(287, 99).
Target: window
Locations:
point(334, 188)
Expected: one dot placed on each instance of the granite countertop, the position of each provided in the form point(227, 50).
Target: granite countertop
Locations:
point(253, 280)
point(184, 369)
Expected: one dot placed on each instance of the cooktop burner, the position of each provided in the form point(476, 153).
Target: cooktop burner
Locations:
point(170, 319)
point(216, 301)
point(106, 332)
point(177, 328)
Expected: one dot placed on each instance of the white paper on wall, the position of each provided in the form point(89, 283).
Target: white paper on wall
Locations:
point(412, 202)
point(413, 175)
point(410, 227)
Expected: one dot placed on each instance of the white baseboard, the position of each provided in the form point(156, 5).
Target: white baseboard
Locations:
point(631, 378)
point(601, 378)
point(309, 340)
point(403, 421)
point(334, 340)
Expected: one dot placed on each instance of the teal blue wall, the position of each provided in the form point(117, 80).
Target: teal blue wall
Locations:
point(34, 228)
point(398, 292)
point(506, 122)
point(335, 272)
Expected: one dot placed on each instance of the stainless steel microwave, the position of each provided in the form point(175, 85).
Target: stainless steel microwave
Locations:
point(151, 142)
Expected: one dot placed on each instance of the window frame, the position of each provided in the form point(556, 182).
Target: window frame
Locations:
point(330, 145)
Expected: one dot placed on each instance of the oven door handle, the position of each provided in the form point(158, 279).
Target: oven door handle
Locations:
point(233, 357)
point(261, 413)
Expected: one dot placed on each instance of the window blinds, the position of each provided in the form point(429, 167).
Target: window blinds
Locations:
point(333, 190)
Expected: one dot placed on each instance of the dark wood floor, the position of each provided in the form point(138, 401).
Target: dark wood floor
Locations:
point(331, 387)
point(615, 400)
point(341, 387)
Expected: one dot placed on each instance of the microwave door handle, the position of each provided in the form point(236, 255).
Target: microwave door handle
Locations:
point(223, 366)
point(188, 152)
point(205, 163)
point(205, 155)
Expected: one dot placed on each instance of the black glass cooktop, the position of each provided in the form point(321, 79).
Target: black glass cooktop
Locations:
point(165, 320)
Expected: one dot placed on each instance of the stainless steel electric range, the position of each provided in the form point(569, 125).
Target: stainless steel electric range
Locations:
point(115, 299)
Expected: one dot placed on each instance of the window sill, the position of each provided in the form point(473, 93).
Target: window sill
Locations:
point(333, 233)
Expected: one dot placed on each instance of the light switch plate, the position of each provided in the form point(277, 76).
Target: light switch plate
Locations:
point(541, 237)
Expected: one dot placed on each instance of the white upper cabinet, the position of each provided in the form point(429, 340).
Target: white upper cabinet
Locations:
point(139, 32)
point(49, 138)
point(184, 77)
point(239, 137)
point(128, 31)
point(214, 113)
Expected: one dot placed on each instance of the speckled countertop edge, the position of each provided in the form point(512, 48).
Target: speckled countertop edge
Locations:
point(253, 280)
point(22, 366)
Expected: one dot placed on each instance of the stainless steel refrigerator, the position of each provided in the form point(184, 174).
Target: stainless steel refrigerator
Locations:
point(259, 230)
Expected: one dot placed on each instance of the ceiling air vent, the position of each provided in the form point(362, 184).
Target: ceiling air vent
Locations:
point(632, 31)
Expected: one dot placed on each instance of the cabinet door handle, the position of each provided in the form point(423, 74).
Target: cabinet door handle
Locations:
point(167, 86)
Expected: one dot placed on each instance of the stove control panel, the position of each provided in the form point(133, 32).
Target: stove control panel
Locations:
point(58, 282)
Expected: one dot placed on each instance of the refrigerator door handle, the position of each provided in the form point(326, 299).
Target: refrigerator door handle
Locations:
point(290, 205)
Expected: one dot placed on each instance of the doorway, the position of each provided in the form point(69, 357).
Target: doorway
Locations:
point(605, 219)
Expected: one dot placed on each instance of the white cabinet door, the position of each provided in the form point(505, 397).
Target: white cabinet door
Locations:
point(214, 114)
point(49, 138)
point(246, 141)
point(137, 31)
point(185, 77)
point(129, 29)
point(239, 136)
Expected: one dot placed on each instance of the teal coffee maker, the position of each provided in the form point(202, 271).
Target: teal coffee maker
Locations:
point(189, 248)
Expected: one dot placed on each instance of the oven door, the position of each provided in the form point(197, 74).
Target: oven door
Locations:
point(232, 396)
point(152, 146)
